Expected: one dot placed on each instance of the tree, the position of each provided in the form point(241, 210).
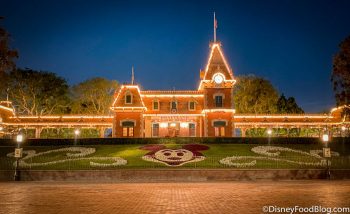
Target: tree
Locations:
point(255, 95)
point(7, 55)
point(37, 92)
point(93, 96)
point(286, 106)
point(7, 58)
point(341, 74)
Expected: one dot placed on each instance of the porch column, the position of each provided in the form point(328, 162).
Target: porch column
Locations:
point(102, 132)
point(200, 127)
point(38, 132)
point(243, 130)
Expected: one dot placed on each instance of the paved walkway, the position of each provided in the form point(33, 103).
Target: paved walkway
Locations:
point(232, 197)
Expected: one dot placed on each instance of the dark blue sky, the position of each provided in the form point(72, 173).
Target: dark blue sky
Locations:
point(290, 43)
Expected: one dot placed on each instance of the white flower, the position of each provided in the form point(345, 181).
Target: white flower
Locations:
point(271, 153)
point(82, 152)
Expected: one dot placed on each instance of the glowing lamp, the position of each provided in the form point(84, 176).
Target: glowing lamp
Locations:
point(343, 128)
point(19, 138)
point(163, 125)
point(184, 125)
point(77, 132)
point(325, 138)
point(269, 131)
point(173, 124)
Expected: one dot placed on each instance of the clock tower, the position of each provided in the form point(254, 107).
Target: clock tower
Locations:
point(217, 83)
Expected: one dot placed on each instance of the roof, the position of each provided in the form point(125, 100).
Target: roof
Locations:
point(172, 92)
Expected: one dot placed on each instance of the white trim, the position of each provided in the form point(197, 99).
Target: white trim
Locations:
point(285, 116)
point(219, 94)
point(172, 95)
point(6, 108)
point(219, 110)
point(219, 120)
point(171, 115)
point(126, 120)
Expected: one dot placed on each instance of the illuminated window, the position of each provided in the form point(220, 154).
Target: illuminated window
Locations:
point(155, 130)
point(128, 128)
point(191, 105)
point(219, 127)
point(155, 105)
point(128, 98)
point(192, 129)
point(218, 101)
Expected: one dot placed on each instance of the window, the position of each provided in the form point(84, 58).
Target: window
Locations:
point(192, 129)
point(218, 101)
point(128, 98)
point(155, 130)
point(191, 105)
point(173, 105)
point(155, 105)
point(219, 127)
point(128, 128)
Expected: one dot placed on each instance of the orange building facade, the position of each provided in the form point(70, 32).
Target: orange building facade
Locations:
point(206, 112)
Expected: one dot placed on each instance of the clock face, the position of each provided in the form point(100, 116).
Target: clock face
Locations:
point(218, 78)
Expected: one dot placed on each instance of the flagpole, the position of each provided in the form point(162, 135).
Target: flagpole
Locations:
point(214, 28)
point(132, 75)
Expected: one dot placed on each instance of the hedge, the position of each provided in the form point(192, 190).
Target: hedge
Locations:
point(204, 140)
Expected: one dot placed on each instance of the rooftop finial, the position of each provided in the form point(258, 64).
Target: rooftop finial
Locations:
point(215, 26)
point(132, 76)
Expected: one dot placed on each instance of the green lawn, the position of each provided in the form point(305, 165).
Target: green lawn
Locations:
point(216, 152)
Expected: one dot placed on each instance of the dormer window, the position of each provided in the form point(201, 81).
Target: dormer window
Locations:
point(128, 98)
point(191, 106)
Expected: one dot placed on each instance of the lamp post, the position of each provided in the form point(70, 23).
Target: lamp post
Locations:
point(18, 155)
point(343, 129)
point(76, 135)
point(1, 130)
point(326, 153)
point(269, 133)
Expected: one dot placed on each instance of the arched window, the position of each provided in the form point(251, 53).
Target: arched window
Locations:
point(128, 98)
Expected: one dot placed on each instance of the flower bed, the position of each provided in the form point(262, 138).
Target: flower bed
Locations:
point(81, 155)
point(272, 153)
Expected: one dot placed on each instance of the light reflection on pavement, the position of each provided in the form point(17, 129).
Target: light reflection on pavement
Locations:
point(210, 197)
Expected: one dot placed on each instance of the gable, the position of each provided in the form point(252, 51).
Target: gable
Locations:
point(217, 64)
point(134, 92)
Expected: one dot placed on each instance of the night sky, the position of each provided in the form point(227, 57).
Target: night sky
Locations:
point(290, 43)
